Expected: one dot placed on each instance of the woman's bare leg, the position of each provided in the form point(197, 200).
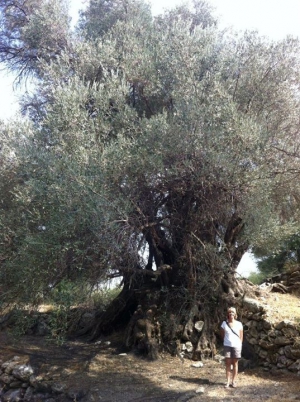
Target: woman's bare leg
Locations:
point(235, 370)
point(228, 363)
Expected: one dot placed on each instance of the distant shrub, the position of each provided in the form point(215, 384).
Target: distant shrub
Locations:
point(257, 277)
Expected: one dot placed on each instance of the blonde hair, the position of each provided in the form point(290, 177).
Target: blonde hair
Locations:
point(233, 310)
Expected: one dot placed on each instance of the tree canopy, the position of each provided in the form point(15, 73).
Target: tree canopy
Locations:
point(156, 149)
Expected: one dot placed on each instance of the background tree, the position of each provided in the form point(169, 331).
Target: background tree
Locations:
point(164, 150)
point(284, 257)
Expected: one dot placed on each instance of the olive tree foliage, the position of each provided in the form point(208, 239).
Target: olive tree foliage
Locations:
point(165, 149)
point(31, 31)
point(100, 16)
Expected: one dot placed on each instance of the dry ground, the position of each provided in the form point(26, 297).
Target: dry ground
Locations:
point(108, 374)
point(281, 306)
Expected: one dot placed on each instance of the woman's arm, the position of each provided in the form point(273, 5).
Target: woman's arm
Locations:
point(241, 334)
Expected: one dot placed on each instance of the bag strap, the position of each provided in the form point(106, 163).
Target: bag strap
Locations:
point(232, 329)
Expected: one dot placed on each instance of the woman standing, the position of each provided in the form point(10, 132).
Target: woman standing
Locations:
point(232, 335)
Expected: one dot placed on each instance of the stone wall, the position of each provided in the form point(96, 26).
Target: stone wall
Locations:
point(276, 345)
point(18, 382)
point(287, 282)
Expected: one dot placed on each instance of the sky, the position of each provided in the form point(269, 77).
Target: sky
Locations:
point(272, 18)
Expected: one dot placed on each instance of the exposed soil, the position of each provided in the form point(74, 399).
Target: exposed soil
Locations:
point(108, 374)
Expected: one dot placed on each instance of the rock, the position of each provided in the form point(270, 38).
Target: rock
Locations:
point(219, 358)
point(279, 287)
point(6, 364)
point(39, 383)
point(28, 394)
point(283, 362)
point(22, 372)
point(262, 353)
point(257, 316)
point(295, 353)
point(287, 351)
point(250, 324)
point(16, 384)
point(295, 366)
point(10, 366)
point(263, 336)
point(106, 343)
point(200, 390)
point(290, 332)
point(197, 365)
point(266, 345)
point(199, 325)
point(58, 388)
point(252, 305)
point(284, 324)
point(273, 334)
point(253, 332)
point(41, 397)
point(252, 341)
point(12, 396)
point(266, 324)
point(6, 378)
point(282, 340)
point(189, 347)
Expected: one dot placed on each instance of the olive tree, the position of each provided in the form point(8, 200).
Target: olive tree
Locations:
point(165, 149)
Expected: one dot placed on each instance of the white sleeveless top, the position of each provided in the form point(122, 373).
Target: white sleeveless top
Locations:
point(231, 339)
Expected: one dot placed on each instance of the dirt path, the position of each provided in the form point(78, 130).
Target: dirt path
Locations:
point(107, 374)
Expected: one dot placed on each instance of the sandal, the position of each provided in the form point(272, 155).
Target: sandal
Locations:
point(233, 385)
point(226, 385)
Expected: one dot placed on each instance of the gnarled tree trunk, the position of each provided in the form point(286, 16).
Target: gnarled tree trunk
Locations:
point(183, 300)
